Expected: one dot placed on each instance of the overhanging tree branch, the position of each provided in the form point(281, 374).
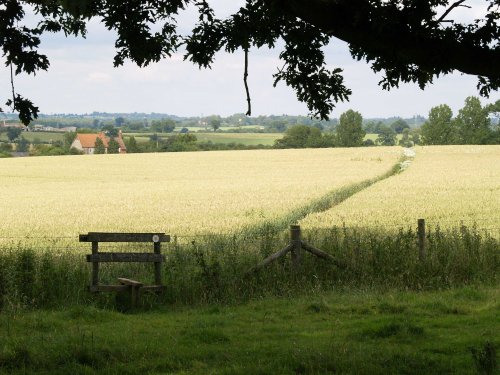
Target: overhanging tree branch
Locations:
point(406, 40)
point(356, 22)
point(453, 6)
point(245, 78)
point(12, 86)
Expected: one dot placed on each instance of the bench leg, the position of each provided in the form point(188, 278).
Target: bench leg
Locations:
point(128, 299)
point(134, 296)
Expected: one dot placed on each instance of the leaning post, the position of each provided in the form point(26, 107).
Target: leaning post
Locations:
point(296, 241)
point(421, 239)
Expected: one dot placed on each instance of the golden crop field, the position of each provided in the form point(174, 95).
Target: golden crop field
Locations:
point(445, 185)
point(176, 193)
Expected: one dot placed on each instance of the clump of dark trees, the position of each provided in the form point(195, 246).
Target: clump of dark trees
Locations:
point(474, 124)
point(349, 132)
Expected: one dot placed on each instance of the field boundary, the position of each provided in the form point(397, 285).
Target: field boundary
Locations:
point(327, 201)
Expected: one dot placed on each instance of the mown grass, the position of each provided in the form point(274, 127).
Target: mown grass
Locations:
point(247, 139)
point(43, 137)
point(347, 331)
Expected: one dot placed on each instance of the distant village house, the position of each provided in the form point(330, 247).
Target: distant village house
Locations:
point(43, 128)
point(86, 142)
point(37, 127)
point(5, 124)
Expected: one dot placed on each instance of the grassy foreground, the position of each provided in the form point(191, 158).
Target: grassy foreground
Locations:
point(357, 332)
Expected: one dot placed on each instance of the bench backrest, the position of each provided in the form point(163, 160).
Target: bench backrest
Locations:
point(124, 237)
point(97, 257)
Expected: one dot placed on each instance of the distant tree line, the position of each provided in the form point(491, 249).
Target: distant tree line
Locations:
point(349, 132)
point(472, 125)
point(161, 123)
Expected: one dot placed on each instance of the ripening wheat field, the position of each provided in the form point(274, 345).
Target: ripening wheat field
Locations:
point(446, 185)
point(177, 193)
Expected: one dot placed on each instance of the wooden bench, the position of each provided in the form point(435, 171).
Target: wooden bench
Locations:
point(125, 285)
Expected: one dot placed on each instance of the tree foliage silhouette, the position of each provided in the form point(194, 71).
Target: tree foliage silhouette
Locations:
point(406, 40)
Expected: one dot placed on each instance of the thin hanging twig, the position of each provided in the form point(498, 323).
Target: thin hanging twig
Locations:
point(13, 91)
point(245, 76)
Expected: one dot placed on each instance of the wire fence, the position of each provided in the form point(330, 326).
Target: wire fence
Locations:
point(490, 226)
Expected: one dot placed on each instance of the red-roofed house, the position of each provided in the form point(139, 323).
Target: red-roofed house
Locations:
point(86, 142)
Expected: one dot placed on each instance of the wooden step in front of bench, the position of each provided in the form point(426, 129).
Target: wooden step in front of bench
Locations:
point(124, 288)
point(129, 282)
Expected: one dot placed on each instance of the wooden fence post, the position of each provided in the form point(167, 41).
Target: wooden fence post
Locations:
point(296, 243)
point(296, 247)
point(421, 239)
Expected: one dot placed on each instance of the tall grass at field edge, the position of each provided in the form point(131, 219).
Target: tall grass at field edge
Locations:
point(215, 270)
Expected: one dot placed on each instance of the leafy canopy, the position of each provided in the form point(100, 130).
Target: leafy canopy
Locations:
point(113, 146)
point(350, 131)
point(406, 40)
point(99, 147)
point(13, 133)
point(471, 126)
point(472, 122)
point(438, 129)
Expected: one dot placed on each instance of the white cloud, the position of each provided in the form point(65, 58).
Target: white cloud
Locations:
point(99, 77)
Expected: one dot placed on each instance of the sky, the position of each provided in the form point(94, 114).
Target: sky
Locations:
point(82, 79)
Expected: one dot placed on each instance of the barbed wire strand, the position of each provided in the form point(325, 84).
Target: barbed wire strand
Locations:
point(430, 223)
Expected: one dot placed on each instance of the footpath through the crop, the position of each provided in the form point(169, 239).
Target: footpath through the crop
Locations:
point(329, 200)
